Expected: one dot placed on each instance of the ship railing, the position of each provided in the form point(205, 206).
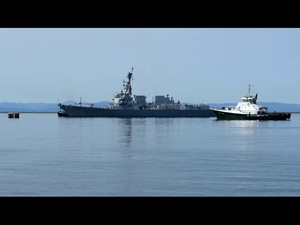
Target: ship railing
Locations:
point(229, 108)
point(201, 105)
point(167, 106)
point(195, 106)
point(91, 105)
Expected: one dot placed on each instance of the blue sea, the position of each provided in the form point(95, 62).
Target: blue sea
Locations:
point(42, 154)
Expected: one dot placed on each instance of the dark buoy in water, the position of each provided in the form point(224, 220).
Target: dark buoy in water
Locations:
point(13, 115)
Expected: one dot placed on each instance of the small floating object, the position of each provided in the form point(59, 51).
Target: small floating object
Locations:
point(62, 114)
point(13, 115)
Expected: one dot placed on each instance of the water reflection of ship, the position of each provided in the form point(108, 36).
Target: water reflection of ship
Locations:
point(242, 127)
point(126, 130)
point(130, 129)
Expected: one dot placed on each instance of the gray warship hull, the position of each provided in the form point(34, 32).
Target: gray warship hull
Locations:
point(82, 111)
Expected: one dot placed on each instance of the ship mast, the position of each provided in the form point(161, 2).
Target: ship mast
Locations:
point(128, 88)
point(249, 86)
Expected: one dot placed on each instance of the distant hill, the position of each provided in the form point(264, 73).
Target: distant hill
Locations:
point(53, 107)
point(39, 107)
point(28, 107)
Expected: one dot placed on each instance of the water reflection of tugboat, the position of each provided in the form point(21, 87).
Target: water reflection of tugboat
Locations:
point(247, 109)
point(124, 105)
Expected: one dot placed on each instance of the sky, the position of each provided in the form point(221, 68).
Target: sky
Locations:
point(194, 65)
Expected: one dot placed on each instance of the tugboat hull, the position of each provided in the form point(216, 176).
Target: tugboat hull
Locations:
point(271, 116)
point(222, 115)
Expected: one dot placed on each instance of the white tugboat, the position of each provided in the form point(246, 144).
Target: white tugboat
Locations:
point(248, 109)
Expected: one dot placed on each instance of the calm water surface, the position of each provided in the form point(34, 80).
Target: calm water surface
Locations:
point(44, 155)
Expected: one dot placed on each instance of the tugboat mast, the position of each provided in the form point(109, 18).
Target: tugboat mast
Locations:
point(249, 86)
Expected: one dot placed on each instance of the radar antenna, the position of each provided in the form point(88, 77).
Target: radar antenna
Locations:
point(128, 88)
point(249, 87)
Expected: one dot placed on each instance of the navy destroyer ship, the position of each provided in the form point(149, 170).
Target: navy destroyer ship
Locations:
point(127, 105)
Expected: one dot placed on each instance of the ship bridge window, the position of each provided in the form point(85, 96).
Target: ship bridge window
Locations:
point(247, 100)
